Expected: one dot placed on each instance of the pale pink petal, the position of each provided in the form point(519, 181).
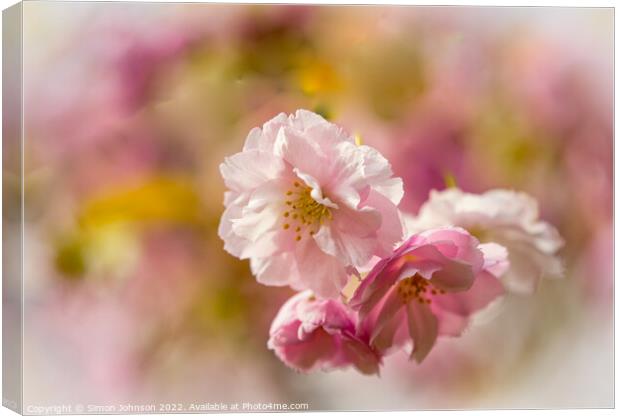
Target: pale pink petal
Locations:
point(524, 272)
point(346, 179)
point(350, 235)
point(262, 212)
point(356, 251)
point(328, 276)
point(452, 325)
point(379, 173)
point(391, 228)
point(304, 120)
point(506, 217)
point(253, 140)
point(353, 190)
point(264, 139)
point(247, 170)
point(316, 193)
point(233, 243)
point(495, 258)
point(265, 245)
point(302, 154)
point(273, 270)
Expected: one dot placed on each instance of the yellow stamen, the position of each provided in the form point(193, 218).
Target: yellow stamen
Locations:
point(416, 288)
point(305, 210)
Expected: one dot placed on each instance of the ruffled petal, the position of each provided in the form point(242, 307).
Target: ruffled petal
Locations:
point(262, 212)
point(351, 235)
point(309, 354)
point(495, 258)
point(391, 230)
point(233, 243)
point(304, 155)
point(378, 172)
point(274, 270)
point(245, 171)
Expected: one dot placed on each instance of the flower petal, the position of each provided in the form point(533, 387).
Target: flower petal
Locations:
point(379, 174)
point(452, 325)
point(484, 290)
point(454, 276)
point(387, 310)
point(233, 243)
point(495, 258)
point(301, 153)
point(391, 229)
point(262, 212)
point(423, 329)
point(273, 270)
point(316, 193)
point(393, 335)
point(328, 274)
point(247, 170)
point(306, 355)
point(361, 356)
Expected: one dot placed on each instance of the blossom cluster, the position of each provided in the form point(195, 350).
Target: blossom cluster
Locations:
point(315, 210)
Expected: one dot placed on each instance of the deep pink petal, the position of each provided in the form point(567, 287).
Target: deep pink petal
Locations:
point(423, 329)
point(361, 356)
point(393, 335)
point(454, 276)
point(309, 354)
point(390, 305)
point(485, 289)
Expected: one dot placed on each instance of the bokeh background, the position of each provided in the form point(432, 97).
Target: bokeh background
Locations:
point(130, 108)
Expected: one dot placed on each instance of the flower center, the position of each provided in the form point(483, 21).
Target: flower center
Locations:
point(302, 212)
point(480, 233)
point(416, 288)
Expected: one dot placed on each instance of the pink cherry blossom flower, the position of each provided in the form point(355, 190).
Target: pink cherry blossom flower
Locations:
point(307, 205)
point(429, 286)
point(506, 217)
point(310, 333)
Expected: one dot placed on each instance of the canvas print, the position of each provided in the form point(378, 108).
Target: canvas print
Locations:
point(236, 207)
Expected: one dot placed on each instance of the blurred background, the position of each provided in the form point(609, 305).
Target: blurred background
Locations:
point(130, 108)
